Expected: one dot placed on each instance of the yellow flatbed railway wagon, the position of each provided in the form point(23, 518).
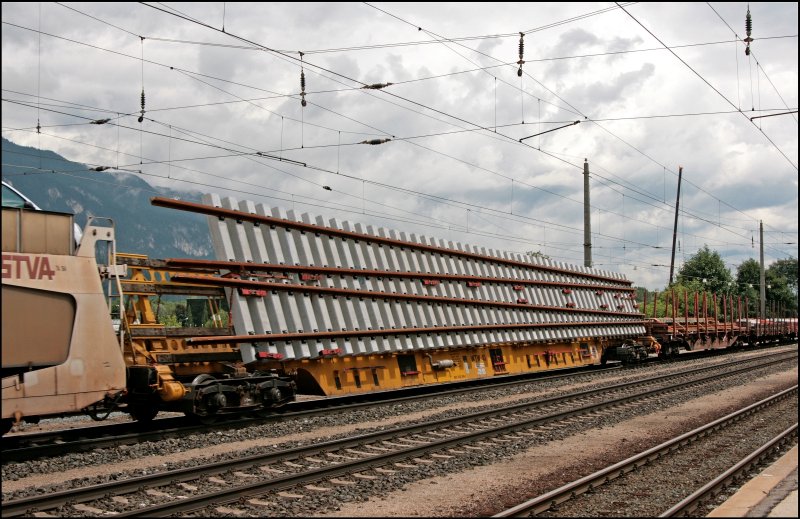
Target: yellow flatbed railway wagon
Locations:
point(341, 308)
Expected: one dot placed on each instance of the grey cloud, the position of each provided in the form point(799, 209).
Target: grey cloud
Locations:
point(605, 92)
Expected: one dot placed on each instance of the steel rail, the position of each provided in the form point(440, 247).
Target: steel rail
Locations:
point(108, 435)
point(189, 264)
point(371, 294)
point(22, 506)
point(112, 435)
point(236, 494)
point(566, 492)
point(300, 336)
point(712, 488)
point(633, 318)
point(240, 216)
point(40, 444)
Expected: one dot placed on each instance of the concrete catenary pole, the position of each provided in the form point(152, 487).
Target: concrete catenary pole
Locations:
point(587, 221)
point(675, 227)
point(762, 278)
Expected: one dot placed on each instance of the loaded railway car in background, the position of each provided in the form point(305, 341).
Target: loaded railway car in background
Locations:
point(316, 307)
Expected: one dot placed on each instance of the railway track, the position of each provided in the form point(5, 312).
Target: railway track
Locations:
point(615, 483)
point(326, 468)
point(692, 504)
point(28, 446)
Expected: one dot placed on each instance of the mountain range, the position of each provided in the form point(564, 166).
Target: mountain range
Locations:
point(57, 184)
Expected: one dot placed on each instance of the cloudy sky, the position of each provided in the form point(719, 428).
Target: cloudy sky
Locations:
point(654, 86)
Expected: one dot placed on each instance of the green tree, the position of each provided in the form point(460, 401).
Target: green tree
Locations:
point(169, 314)
point(781, 285)
point(182, 314)
point(747, 283)
point(683, 295)
point(707, 268)
point(170, 321)
point(781, 294)
point(786, 268)
point(221, 320)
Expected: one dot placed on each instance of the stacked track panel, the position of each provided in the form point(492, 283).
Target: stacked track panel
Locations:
point(374, 291)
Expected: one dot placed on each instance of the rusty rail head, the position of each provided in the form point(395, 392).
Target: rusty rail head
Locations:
point(301, 336)
point(176, 263)
point(230, 282)
point(291, 224)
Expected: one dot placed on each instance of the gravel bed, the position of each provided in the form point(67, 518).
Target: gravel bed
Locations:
point(290, 427)
point(654, 488)
point(486, 490)
point(366, 488)
point(313, 503)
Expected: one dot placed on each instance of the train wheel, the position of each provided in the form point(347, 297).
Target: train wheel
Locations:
point(142, 413)
point(6, 425)
point(202, 379)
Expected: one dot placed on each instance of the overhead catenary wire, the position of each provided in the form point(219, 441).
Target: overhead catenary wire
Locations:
point(122, 168)
point(505, 236)
point(243, 154)
point(173, 162)
point(416, 103)
point(451, 201)
point(337, 145)
point(487, 55)
point(709, 84)
point(751, 52)
point(445, 39)
point(246, 153)
point(577, 111)
point(487, 170)
point(478, 126)
point(623, 139)
point(67, 104)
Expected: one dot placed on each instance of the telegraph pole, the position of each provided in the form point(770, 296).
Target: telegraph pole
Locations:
point(587, 221)
point(675, 227)
point(762, 277)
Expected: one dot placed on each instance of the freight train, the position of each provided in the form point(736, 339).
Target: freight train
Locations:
point(315, 307)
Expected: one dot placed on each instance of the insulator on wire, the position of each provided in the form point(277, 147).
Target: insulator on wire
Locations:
point(303, 88)
point(521, 53)
point(377, 86)
point(302, 83)
point(375, 141)
point(141, 117)
point(748, 22)
point(748, 26)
